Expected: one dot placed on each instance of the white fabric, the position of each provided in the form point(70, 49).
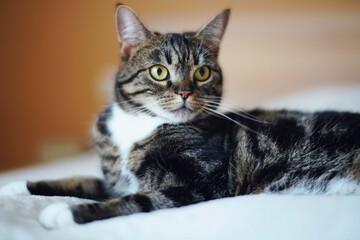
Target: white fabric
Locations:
point(245, 217)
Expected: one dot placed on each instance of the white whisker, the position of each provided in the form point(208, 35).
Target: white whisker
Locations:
point(209, 110)
point(141, 108)
point(240, 113)
point(236, 111)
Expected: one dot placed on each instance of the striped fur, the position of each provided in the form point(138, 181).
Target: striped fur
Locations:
point(159, 150)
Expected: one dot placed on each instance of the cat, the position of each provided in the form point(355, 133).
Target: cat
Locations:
point(164, 143)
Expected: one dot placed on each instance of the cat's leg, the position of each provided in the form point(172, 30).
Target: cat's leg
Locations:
point(82, 187)
point(61, 214)
point(106, 148)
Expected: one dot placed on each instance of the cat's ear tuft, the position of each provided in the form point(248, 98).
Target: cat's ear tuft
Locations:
point(215, 29)
point(131, 31)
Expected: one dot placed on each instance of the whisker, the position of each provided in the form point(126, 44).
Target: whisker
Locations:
point(232, 120)
point(211, 96)
point(141, 108)
point(232, 109)
point(125, 101)
point(240, 113)
point(136, 110)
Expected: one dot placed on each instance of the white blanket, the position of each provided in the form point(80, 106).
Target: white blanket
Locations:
point(245, 217)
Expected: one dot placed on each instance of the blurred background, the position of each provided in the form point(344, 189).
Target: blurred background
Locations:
point(58, 59)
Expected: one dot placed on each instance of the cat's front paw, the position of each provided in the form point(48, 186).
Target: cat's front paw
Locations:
point(15, 188)
point(57, 215)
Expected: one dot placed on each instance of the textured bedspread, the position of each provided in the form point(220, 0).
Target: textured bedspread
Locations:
point(249, 217)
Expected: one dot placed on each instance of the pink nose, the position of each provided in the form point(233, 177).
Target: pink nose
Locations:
point(184, 94)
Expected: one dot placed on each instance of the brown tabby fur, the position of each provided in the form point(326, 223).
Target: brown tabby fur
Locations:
point(196, 153)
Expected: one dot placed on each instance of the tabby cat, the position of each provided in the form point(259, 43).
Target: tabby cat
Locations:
point(164, 144)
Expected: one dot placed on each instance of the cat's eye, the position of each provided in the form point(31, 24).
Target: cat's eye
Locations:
point(202, 73)
point(159, 72)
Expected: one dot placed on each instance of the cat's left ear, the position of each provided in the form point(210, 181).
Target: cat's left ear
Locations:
point(131, 31)
point(215, 29)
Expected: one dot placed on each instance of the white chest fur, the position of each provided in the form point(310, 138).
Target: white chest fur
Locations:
point(127, 129)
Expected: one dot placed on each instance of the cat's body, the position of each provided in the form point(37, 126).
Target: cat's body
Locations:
point(286, 152)
point(163, 143)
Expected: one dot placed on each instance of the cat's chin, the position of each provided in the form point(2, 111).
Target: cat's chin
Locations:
point(183, 115)
point(180, 115)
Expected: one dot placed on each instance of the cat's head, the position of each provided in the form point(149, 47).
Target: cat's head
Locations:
point(173, 76)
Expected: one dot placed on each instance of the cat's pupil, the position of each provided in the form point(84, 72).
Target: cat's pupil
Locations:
point(159, 71)
point(202, 71)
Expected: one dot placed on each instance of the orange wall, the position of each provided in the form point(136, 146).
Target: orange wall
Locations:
point(53, 53)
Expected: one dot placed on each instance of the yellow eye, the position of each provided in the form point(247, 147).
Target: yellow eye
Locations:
point(202, 73)
point(158, 72)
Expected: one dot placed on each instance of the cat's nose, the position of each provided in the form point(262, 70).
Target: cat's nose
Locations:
point(184, 94)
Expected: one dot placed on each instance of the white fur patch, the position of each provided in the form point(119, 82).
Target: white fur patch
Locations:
point(343, 186)
point(15, 188)
point(336, 186)
point(127, 129)
point(57, 215)
point(173, 118)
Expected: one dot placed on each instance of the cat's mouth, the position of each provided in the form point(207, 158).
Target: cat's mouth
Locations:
point(182, 110)
point(177, 111)
point(183, 113)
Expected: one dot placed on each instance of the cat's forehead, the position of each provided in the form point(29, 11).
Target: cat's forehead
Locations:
point(179, 49)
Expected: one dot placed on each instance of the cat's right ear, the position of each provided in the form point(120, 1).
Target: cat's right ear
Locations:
point(131, 31)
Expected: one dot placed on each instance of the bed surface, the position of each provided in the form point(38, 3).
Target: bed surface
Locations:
point(245, 217)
